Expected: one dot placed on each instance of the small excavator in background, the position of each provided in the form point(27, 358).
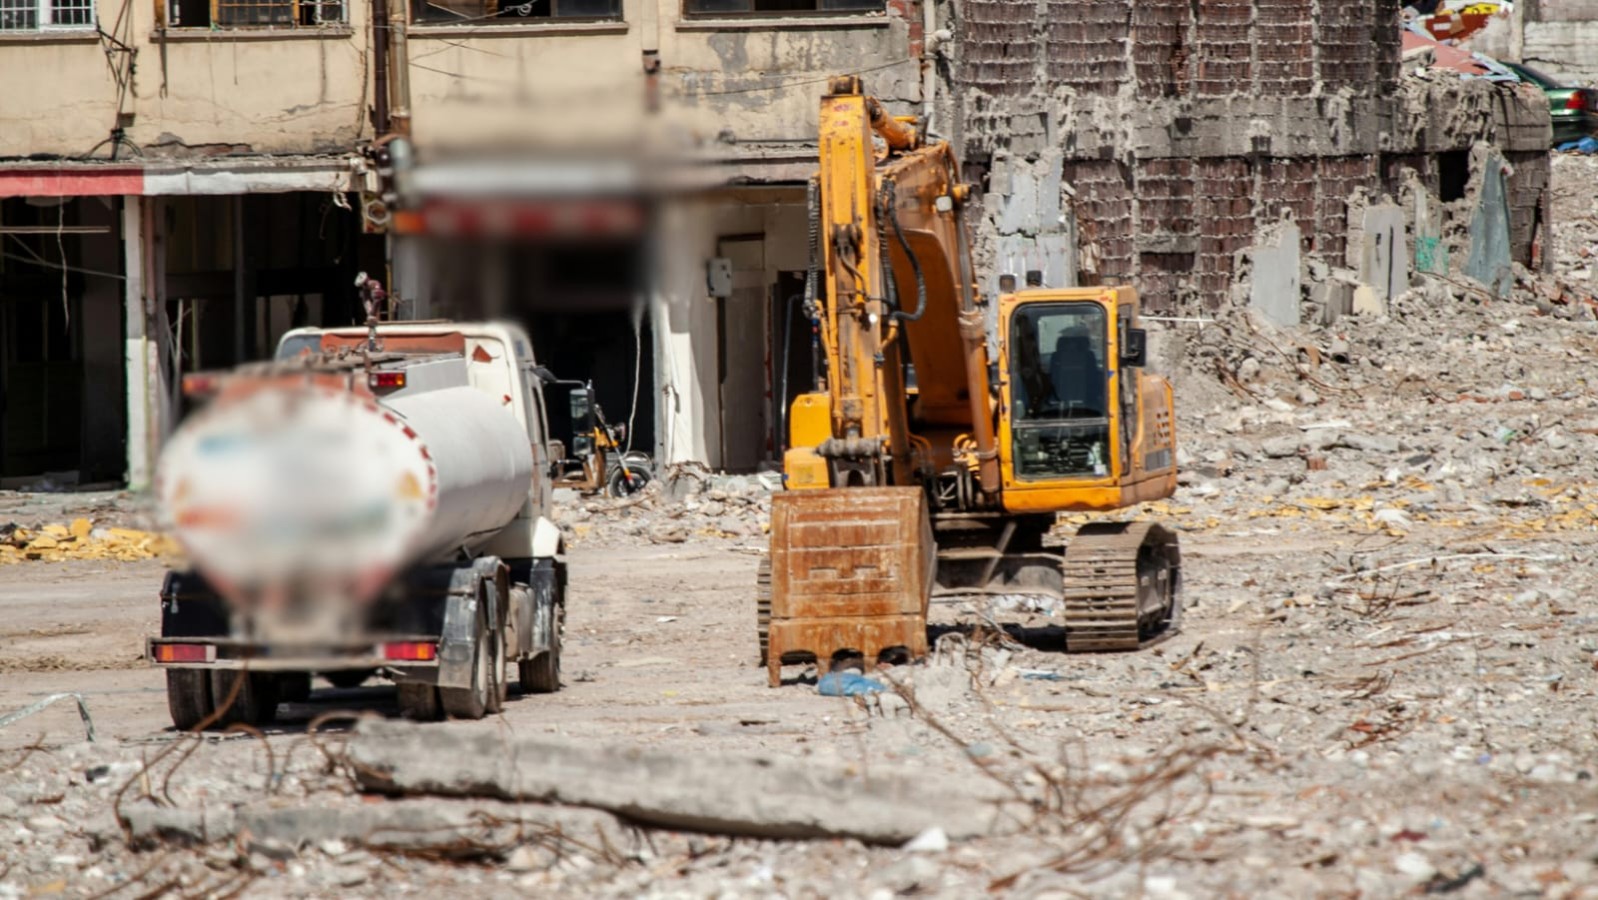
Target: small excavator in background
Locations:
point(920, 464)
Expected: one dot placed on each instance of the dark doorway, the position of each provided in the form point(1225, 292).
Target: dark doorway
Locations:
point(793, 353)
point(62, 400)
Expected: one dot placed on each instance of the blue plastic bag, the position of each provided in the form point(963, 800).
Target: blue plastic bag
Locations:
point(847, 684)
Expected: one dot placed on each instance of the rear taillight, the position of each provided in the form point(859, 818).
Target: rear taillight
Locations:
point(386, 380)
point(1576, 101)
point(200, 385)
point(411, 651)
point(183, 653)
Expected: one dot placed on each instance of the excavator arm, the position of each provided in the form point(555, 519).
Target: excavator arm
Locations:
point(898, 297)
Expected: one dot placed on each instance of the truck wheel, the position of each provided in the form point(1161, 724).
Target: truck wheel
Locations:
point(419, 701)
point(541, 674)
point(256, 702)
point(482, 697)
point(188, 696)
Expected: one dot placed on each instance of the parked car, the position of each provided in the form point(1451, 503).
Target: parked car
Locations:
point(1574, 110)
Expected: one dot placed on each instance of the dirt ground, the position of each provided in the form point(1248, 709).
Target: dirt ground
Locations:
point(1383, 683)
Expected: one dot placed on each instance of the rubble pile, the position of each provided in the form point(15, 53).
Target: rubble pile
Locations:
point(688, 503)
point(81, 540)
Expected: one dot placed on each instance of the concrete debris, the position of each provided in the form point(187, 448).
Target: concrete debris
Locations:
point(751, 796)
point(81, 540)
point(462, 828)
point(686, 504)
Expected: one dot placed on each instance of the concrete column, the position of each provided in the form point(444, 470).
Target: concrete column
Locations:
point(139, 351)
point(689, 424)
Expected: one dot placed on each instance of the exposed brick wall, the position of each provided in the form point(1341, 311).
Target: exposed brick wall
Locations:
point(1169, 202)
point(1224, 207)
point(1346, 41)
point(1336, 177)
point(1160, 52)
point(1289, 183)
point(1395, 165)
point(1223, 47)
point(1284, 37)
point(1389, 44)
point(910, 12)
point(1086, 44)
point(1103, 209)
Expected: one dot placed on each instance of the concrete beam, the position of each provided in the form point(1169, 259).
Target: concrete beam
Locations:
point(753, 796)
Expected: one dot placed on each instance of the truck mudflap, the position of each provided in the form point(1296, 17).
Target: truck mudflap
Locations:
point(479, 592)
point(851, 572)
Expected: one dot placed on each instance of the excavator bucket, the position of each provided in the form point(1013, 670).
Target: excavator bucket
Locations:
point(851, 570)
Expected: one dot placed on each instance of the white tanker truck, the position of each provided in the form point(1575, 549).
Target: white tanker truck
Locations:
point(368, 502)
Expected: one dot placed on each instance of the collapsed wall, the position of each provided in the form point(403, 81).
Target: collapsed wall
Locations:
point(1157, 141)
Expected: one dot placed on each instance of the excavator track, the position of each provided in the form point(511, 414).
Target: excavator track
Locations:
point(1122, 583)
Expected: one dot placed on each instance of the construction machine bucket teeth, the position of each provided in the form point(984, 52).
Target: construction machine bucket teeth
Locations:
point(851, 572)
point(1122, 582)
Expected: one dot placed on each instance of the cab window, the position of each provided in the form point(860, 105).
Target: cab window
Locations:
point(1059, 390)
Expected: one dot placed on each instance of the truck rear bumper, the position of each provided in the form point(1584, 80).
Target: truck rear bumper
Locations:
point(412, 654)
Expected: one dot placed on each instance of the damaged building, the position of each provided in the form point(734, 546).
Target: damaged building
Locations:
point(628, 178)
point(1176, 146)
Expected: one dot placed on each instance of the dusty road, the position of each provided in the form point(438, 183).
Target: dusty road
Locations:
point(1424, 727)
point(1384, 684)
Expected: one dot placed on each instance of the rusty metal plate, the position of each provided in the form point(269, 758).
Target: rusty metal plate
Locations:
point(852, 569)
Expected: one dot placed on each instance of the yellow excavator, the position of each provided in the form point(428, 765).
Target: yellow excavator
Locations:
point(920, 464)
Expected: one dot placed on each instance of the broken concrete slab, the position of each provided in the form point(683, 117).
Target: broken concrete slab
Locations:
point(1367, 301)
point(432, 824)
point(1383, 257)
point(753, 796)
point(1489, 261)
point(1275, 287)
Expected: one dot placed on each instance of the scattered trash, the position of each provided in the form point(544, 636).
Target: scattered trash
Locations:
point(1587, 145)
point(933, 840)
point(847, 684)
point(30, 709)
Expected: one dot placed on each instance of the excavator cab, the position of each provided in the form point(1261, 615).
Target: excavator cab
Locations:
point(1081, 426)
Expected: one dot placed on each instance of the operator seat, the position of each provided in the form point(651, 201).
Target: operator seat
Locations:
point(1079, 383)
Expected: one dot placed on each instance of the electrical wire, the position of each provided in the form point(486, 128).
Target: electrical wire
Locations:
point(38, 260)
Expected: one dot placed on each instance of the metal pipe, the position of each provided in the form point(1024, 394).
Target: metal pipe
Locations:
point(929, 69)
point(898, 135)
point(380, 121)
point(973, 333)
point(400, 109)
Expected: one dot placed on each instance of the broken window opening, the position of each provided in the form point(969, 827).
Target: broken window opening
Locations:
point(254, 13)
point(720, 8)
point(46, 15)
point(466, 12)
point(1453, 175)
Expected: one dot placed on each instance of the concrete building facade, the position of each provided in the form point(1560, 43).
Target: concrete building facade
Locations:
point(185, 180)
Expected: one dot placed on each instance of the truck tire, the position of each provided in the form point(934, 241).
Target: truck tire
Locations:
point(485, 694)
point(419, 701)
point(255, 704)
point(188, 696)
